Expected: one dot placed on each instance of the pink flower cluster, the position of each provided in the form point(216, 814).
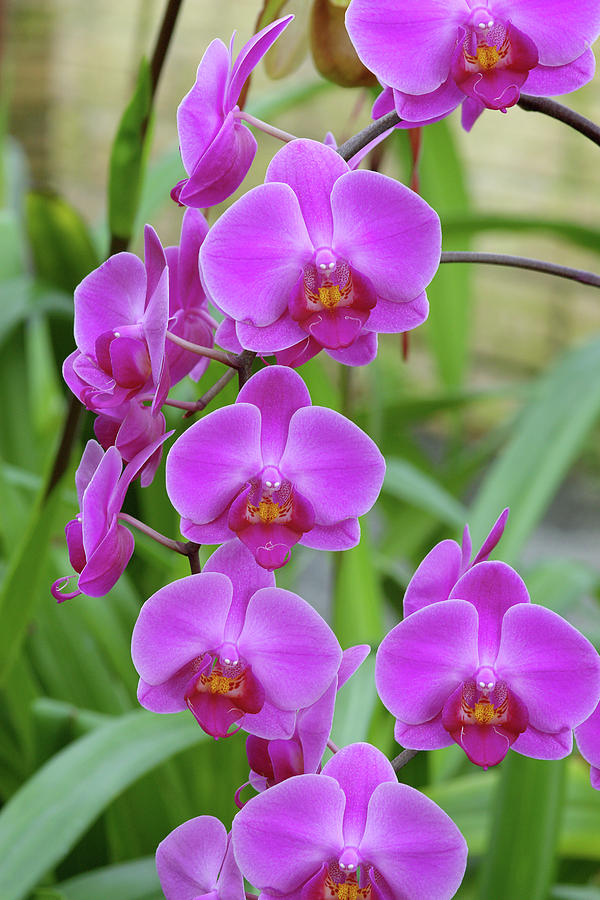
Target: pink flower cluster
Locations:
point(322, 256)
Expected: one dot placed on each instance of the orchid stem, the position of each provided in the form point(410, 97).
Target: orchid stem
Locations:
point(563, 114)
point(245, 361)
point(402, 759)
point(190, 405)
point(185, 548)
point(177, 546)
point(521, 262)
point(332, 746)
point(210, 395)
point(224, 358)
point(352, 146)
point(284, 136)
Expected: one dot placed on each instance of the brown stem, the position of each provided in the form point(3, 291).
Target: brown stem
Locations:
point(521, 262)
point(562, 114)
point(402, 759)
point(199, 350)
point(244, 366)
point(210, 395)
point(351, 147)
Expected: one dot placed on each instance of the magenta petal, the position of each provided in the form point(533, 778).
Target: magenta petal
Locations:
point(97, 499)
point(413, 844)
point(352, 659)
point(235, 561)
point(231, 881)
point(226, 336)
point(588, 738)
point(178, 623)
point(409, 45)
point(200, 113)
point(358, 769)
point(542, 745)
point(393, 318)
point(155, 327)
point(561, 30)
point(278, 392)
point(332, 463)
point(271, 723)
point(496, 532)
point(222, 168)
point(384, 104)
point(292, 651)
point(429, 736)
point(215, 532)
point(550, 81)
point(210, 463)
point(270, 544)
point(434, 105)
point(311, 169)
point(341, 536)
point(471, 110)
point(360, 353)
point(74, 538)
point(254, 254)
point(107, 562)
point(250, 55)
point(550, 665)
point(186, 291)
point(90, 460)
point(492, 588)
point(189, 859)
point(386, 232)
point(168, 697)
point(281, 837)
point(313, 727)
point(112, 295)
point(435, 577)
point(267, 339)
point(299, 353)
point(424, 659)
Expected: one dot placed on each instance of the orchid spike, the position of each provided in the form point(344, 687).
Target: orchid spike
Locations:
point(489, 670)
point(233, 648)
point(480, 54)
point(352, 831)
point(217, 149)
point(275, 471)
point(321, 257)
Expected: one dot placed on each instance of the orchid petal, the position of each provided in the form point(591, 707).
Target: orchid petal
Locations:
point(492, 588)
point(189, 859)
point(542, 745)
point(391, 317)
point(560, 29)
point(409, 45)
point(435, 577)
point(311, 170)
point(424, 659)
point(360, 353)
point(219, 454)
point(358, 769)
point(342, 536)
point(550, 665)
point(278, 392)
point(292, 651)
point(428, 736)
point(200, 113)
point(281, 837)
point(107, 562)
point(550, 81)
point(254, 254)
point(178, 623)
point(250, 55)
point(413, 844)
point(332, 463)
point(267, 339)
point(386, 232)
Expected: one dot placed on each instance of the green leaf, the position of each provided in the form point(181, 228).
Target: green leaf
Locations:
point(61, 246)
point(45, 818)
point(136, 880)
point(573, 892)
point(443, 185)
point(411, 485)
point(358, 599)
point(547, 437)
point(354, 705)
point(21, 589)
point(128, 157)
point(463, 224)
point(527, 814)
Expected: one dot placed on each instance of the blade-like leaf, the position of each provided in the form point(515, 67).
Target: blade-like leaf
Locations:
point(136, 880)
point(42, 822)
point(127, 158)
point(409, 484)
